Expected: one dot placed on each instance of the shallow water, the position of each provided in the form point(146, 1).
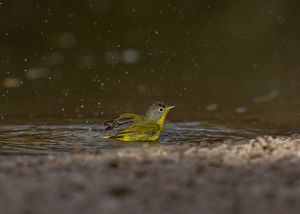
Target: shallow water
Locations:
point(57, 139)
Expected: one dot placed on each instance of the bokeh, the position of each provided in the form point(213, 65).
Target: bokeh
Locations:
point(99, 58)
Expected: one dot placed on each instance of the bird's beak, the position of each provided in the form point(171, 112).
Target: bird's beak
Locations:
point(170, 107)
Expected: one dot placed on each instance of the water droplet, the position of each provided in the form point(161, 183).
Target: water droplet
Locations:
point(11, 83)
point(241, 110)
point(130, 56)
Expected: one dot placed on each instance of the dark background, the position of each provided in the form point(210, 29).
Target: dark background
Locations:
point(99, 58)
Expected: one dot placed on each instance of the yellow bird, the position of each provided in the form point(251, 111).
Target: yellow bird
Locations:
point(140, 128)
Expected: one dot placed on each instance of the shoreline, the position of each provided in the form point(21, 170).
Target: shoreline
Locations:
point(260, 176)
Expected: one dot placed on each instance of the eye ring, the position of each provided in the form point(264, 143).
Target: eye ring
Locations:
point(161, 109)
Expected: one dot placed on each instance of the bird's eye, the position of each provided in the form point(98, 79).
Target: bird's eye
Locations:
point(161, 109)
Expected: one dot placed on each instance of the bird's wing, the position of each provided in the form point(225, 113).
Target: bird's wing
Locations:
point(123, 121)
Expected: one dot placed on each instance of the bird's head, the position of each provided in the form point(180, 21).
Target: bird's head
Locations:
point(158, 112)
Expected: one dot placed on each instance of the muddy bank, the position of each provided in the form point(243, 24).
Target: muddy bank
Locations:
point(261, 176)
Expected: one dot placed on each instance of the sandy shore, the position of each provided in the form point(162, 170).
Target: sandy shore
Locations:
point(261, 176)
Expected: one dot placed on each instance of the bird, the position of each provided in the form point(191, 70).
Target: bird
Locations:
point(133, 127)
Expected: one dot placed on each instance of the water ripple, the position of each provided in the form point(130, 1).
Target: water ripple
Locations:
point(51, 139)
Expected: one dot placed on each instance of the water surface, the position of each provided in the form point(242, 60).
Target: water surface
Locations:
point(60, 139)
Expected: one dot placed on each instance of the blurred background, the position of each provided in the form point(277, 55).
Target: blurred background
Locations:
point(97, 58)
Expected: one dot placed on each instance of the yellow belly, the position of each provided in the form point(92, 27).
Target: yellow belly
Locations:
point(140, 137)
